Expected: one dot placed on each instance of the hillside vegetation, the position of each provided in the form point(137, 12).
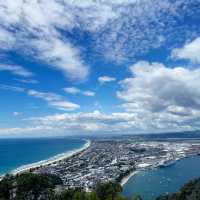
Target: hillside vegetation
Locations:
point(30, 186)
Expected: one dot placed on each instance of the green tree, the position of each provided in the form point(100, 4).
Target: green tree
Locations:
point(32, 186)
point(66, 195)
point(120, 198)
point(79, 195)
point(91, 196)
point(6, 187)
point(108, 190)
point(137, 197)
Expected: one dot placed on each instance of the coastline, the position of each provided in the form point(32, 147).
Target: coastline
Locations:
point(126, 178)
point(152, 184)
point(56, 158)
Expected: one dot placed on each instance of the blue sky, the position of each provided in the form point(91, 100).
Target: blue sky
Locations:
point(93, 67)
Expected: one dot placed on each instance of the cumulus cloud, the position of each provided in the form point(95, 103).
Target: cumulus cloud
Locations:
point(162, 97)
point(54, 100)
point(115, 123)
point(189, 51)
point(74, 90)
point(57, 125)
point(174, 119)
point(16, 70)
point(154, 97)
point(84, 123)
point(106, 79)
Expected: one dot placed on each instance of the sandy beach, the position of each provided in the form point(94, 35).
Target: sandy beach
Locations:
point(51, 160)
point(126, 178)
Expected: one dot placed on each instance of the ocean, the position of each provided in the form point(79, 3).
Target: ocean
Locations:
point(15, 153)
point(149, 184)
point(152, 183)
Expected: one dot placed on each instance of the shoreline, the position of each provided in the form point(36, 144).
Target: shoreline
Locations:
point(51, 160)
point(126, 178)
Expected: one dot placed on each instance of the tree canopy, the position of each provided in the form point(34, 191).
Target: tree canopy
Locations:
point(32, 186)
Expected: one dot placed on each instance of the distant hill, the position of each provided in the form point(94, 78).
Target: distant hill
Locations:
point(159, 136)
point(181, 135)
point(167, 135)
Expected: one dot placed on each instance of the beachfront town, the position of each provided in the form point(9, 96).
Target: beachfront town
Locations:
point(115, 160)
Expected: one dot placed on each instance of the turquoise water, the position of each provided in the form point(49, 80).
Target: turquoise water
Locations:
point(18, 152)
point(150, 184)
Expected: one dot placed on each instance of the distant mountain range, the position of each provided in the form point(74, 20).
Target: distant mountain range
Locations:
point(167, 135)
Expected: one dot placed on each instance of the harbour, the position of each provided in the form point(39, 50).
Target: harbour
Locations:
point(162, 180)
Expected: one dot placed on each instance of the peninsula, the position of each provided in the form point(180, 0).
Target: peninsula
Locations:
point(116, 160)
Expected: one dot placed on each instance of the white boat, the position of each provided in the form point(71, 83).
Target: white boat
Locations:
point(167, 163)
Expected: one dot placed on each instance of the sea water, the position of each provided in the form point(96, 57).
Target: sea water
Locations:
point(15, 153)
point(152, 183)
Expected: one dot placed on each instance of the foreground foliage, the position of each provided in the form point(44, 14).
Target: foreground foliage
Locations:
point(30, 186)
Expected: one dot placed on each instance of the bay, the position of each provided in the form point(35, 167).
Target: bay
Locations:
point(152, 183)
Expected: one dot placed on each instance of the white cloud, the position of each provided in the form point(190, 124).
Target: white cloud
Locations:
point(155, 97)
point(32, 81)
point(115, 123)
point(189, 51)
point(17, 113)
point(65, 105)
point(120, 30)
point(88, 93)
point(101, 123)
point(48, 96)
point(37, 34)
point(61, 55)
point(16, 70)
point(51, 98)
point(74, 90)
point(143, 25)
point(106, 79)
point(161, 97)
point(11, 88)
point(7, 40)
point(54, 100)
point(83, 123)
point(28, 131)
